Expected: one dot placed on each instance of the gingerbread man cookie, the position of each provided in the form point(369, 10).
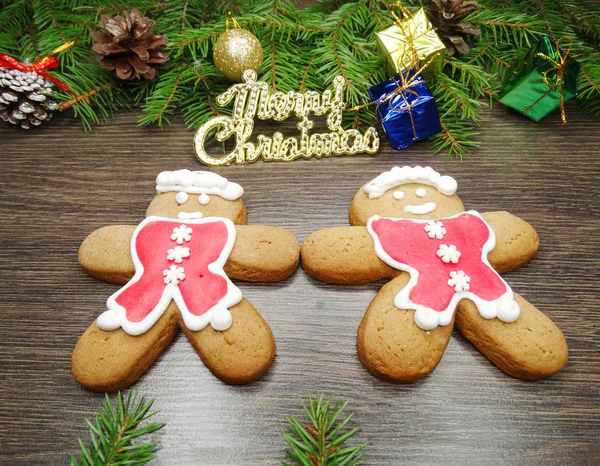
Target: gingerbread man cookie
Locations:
point(443, 263)
point(176, 267)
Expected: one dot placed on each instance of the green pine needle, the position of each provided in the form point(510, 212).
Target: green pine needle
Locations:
point(321, 442)
point(303, 49)
point(113, 432)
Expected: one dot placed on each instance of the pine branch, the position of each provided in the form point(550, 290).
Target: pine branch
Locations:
point(321, 443)
point(456, 138)
point(113, 432)
point(303, 50)
point(83, 97)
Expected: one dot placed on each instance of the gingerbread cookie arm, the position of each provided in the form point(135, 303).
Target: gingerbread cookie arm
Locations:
point(389, 343)
point(344, 255)
point(263, 254)
point(530, 348)
point(516, 241)
point(240, 354)
point(109, 360)
point(106, 254)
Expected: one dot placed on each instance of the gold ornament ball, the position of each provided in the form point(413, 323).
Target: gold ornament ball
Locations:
point(236, 51)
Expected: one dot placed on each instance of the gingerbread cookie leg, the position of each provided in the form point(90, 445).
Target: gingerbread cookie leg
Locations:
point(390, 344)
point(240, 354)
point(530, 348)
point(108, 360)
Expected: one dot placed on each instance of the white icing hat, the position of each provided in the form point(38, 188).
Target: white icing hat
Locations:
point(403, 175)
point(198, 182)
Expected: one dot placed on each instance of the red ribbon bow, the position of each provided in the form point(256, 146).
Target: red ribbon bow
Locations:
point(37, 67)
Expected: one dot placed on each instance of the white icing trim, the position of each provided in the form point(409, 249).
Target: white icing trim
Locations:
point(403, 175)
point(189, 215)
point(115, 316)
point(198, 182)
point(504, 308)
point(422, 209)
point(182, 197)
point(435, 229)
point(448, 253)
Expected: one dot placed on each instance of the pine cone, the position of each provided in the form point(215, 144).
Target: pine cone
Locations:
point(128, 46)
point(446, 17)
point(24, 98)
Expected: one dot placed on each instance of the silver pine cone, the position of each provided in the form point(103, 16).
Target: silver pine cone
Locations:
point(24, 98)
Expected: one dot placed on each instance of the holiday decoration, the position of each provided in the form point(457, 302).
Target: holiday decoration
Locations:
point(322, 442)
point(305, 48)
point(254, 98)
point(236, 51)
point(444, 266)
point(115, 433)
point(175, 268)
point(128, 46)
point(406, 109)
point(546, 79)
point(25, 89)
point(447, 16)
point(411, 41)
point(118, 434)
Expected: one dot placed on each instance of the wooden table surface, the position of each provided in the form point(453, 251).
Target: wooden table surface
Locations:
point(58, 184)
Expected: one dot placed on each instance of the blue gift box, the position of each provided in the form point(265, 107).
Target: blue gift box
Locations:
point(396, 111)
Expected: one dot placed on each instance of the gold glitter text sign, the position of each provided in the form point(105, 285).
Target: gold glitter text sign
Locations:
point(253, 98)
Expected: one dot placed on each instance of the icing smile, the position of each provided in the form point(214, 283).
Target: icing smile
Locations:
point(419, 209)
point(189, 215)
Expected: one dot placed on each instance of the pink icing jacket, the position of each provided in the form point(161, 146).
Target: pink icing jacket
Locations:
point(180, 260)
point(447, 261)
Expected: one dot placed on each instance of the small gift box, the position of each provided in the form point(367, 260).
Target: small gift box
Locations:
point(534, 88)
point(412, 36)
point(406, 109)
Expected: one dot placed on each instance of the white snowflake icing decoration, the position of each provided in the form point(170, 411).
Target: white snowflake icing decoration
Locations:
point(448, 253)
point(181, 234)
point(178, 254)
point(435, 229)
point(173, 275)
point(459, 281)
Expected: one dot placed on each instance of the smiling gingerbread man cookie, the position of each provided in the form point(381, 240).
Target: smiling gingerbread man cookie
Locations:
point(176, 267)
point(443, 264)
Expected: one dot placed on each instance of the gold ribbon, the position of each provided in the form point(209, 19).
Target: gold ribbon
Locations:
point(233, 20)
point(411, 36)
point(559, 66)
point(405, 85)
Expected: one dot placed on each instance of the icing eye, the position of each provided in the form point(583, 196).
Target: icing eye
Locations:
point(398, 195)
point(182, 197)
point(421, 192)
point(203, 199)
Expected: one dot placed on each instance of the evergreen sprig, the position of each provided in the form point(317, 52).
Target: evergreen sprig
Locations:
point(113, 432)
point(321, 443)
point(303, 49)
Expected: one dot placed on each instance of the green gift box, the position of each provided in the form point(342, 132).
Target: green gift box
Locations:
point(527, 90)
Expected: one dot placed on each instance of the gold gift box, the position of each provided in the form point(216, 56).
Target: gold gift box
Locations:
point(395, 42)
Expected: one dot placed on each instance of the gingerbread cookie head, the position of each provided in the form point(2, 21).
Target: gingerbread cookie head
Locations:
point(406, 192)
point(186, 194)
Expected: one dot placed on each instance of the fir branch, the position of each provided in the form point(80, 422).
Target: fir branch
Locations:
point(321, 443)
point(113, 432)
point(84, 97)
point(456, 138)
point(303, 49)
